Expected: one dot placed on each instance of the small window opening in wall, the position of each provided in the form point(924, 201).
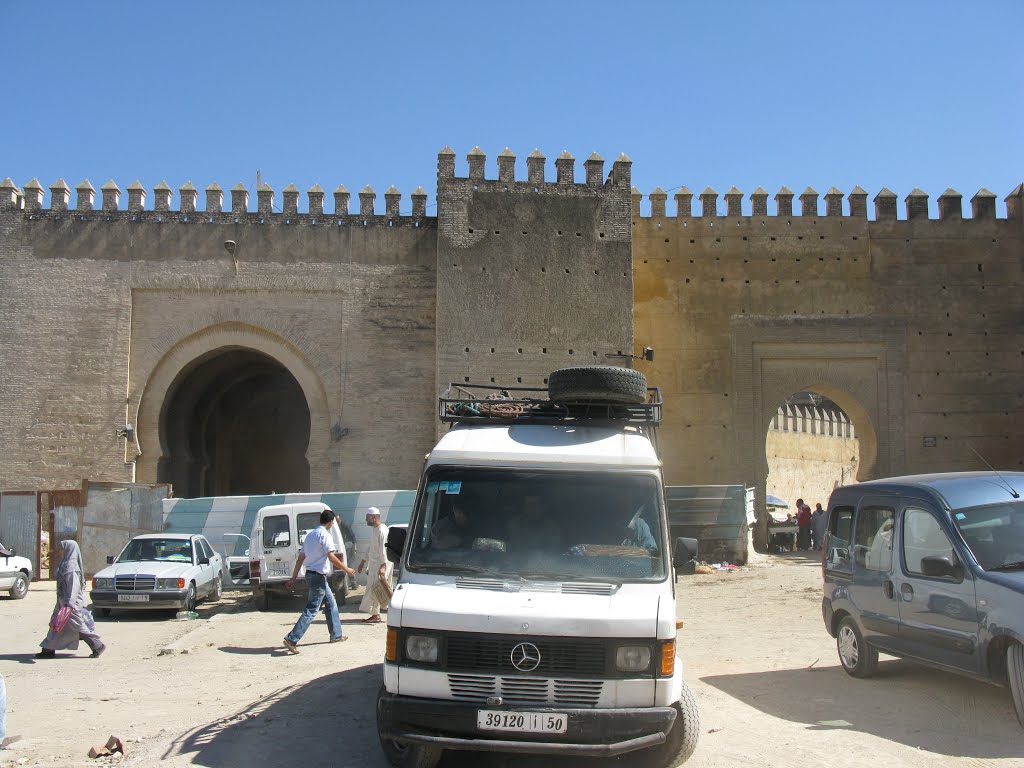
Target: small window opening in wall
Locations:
point(645, 261)
point(595, 353)
point(773, 237)
point(692, 242)
point(517, 269)
point(979, 267)
point(854, 237)
point(773, 258)
point(799, 237)
point(543, 350)
point(467, 349)
point(821, 258)
point(483, 269)
point(570, 352)
point(492, 379)
point(744, 237)
point(722, 280)
point(579, 234)
point(471, 230)
point(567, 271)
point(687, 279)
point(597, 272)
point(519, 379)
point(666, 239)
point(625, 274)
point(545, 382)
point(798, 258)
point(524, 231)
point(559, 231)
point(718, 239)
point(520, 350)
point(466, 379)
point(497, 231)
point(601, 234)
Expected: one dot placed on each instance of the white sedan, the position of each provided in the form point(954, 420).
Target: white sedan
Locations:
point(159, 571)
point(15, 573)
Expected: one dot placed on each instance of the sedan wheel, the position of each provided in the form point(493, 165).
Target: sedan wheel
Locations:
point(218, 587)
point(190, 598)
point(1015, 674)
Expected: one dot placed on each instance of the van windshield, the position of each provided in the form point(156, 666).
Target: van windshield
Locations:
point(539, 525)
point(995, 534)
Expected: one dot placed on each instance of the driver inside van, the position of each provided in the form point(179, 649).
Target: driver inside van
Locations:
point(456, 531)
point(532, 529)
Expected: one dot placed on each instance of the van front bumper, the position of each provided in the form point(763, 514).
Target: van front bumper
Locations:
point(590, 732)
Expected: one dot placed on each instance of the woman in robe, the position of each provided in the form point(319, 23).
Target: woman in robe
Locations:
point(71, 593)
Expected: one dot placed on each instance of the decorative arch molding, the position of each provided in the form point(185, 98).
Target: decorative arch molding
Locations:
point(202, 345)
point(860, 363)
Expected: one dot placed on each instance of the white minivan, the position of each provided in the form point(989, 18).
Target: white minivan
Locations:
point(536, 610)
point(275, 543)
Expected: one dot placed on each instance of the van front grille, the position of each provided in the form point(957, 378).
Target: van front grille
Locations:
point(534, 691)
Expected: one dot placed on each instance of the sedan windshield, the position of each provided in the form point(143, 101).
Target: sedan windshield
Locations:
point(168, 550)
point(539, 525)
point(994, 533)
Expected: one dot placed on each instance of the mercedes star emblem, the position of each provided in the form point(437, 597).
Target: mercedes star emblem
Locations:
point(526, 657)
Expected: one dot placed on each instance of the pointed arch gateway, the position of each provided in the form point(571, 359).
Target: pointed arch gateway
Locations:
point(230, 410)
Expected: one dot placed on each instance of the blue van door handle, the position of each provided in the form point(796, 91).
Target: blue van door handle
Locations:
point(889, 589)
point(907, 592)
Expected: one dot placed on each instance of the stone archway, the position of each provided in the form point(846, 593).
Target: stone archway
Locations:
point(218, 374)
point(857, 362)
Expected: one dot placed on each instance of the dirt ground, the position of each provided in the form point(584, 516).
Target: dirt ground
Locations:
point(221, 692)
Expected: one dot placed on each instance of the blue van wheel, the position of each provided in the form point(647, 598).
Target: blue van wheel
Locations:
point(857, 657)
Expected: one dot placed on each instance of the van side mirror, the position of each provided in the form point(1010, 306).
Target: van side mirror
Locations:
point(110, 559)
point(684, 555)
point(395, 543)
point(204, 560)
point(940, 567)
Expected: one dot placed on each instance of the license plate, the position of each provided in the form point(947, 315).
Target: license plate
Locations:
point(521, 722)
point(277, 569)
point(133, 598)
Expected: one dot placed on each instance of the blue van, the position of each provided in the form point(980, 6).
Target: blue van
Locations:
point(929, 568)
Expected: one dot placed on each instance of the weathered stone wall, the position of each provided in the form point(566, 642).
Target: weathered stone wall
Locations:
point(532, 275)
point(913, 327)
point(102, 310)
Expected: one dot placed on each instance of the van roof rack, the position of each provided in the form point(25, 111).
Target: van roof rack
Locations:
point(492, 403)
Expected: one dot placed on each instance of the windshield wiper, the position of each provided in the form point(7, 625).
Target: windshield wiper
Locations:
point(1008, 566)
point(476, 569)
point(556, 576)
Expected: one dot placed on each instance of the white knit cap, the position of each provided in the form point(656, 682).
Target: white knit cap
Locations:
point(372, 511)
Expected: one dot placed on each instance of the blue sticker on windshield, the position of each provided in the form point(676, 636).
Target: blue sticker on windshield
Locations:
point(454, 486)
point(960, 516)
point(433, 487)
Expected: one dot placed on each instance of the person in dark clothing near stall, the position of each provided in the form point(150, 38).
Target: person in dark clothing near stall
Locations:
point(803, 521)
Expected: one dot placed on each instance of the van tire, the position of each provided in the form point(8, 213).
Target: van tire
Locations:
point(1015, 675)
point(855, 655)
point(407, 755)
point(681, 740)
point(20, 587)
point(605, 383)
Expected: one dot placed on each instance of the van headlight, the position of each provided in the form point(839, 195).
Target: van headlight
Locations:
point(632, 658)
point(102, 583)
point(421, 648)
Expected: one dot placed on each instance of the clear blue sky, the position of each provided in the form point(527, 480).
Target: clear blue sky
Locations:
point(879, 93)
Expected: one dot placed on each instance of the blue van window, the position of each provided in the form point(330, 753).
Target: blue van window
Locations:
point(872, 545)
point(837, 553)
point(923, 537)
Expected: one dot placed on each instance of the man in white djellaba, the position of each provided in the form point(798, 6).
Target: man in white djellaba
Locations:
point(377, 565)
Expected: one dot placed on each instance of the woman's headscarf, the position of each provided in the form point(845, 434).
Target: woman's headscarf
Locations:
point(71, 561)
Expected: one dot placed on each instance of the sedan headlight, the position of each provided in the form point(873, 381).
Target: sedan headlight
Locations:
point(170, 583)
point(632, 658)
point(102, 583)
point(421, 648)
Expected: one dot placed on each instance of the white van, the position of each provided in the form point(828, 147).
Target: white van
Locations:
point(536, 609)
point(275, 544)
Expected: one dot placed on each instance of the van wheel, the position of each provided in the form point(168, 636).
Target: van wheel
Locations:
point(857, 657)
point(606, 383)
point(1015, 673)
point(402, 755)
point(682, 739)
point(20, 587)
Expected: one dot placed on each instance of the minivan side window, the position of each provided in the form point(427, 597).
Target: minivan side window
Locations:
point(276, 531)
point(923, 537)
point(840, 524)
point(872, 544)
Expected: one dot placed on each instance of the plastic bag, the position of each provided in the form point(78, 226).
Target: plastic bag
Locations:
point(60, 618)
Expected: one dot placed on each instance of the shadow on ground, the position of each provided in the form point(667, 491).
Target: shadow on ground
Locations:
point(328, 721)
point(904, 703)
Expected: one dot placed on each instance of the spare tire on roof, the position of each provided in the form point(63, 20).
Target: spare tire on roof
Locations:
point(603, 383)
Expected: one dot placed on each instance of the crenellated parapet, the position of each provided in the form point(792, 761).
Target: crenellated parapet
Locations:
point(950, 204)
point(270, 207)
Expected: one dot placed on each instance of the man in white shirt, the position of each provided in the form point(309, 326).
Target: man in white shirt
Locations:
point(377, 565)
point(317, 551)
